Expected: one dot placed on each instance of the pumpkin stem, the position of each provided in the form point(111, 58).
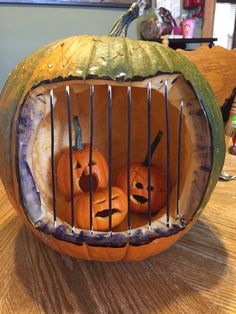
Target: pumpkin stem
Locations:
point(153, 147)
point(78, 134)
point(120, 28)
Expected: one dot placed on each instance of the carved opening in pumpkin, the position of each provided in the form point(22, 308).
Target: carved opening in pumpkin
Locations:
point(84, 182)
point(195, 144)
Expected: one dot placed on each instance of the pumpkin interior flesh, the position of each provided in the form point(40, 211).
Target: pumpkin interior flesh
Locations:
point(195, 149)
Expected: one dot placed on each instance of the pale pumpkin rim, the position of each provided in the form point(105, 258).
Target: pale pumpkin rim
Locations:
point(139, 236)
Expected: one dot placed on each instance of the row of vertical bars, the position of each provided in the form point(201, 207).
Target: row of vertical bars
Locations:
point(129, 105)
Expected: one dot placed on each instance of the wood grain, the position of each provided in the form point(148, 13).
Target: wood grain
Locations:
point(218, 66)
point(197, 275)
point(208, 18)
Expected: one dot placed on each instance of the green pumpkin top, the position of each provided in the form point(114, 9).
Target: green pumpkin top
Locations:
point(111, 58)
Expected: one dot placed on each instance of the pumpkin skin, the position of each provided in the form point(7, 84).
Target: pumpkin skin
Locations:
point(84, 57)
point(100, 209)
point(81, 173)
point(139, 187)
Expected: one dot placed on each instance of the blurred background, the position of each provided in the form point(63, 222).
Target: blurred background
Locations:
point(26, 27)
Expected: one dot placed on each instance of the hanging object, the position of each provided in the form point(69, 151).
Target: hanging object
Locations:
point(191, 4)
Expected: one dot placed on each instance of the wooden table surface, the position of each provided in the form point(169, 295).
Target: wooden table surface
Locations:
point(196, 275)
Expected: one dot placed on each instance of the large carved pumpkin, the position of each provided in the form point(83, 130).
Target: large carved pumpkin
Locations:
point(79, 62)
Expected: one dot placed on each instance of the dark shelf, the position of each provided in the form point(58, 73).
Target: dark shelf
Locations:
point(189, 40)
point(180, 43)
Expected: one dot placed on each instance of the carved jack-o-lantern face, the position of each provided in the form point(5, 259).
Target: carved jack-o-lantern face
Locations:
point(81, 167)
point(81, 173)
point(100, 209)
point(139, 187)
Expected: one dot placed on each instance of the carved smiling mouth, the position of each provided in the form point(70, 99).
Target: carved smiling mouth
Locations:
point(138, 198)
point(105, 212)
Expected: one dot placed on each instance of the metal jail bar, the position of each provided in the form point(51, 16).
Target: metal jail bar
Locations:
point(91, 157)
point(52, 157)
point(128, 157)
point(71, 160)
point(179, 156)
point(168, 155)
point(109, 102)
point(110, 157)
point(149, 153)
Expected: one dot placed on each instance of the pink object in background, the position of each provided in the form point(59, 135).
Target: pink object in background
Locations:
point(178, 30)
point(188, 28)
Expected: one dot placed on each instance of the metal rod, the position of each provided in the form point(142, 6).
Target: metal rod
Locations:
point(179, 156)
point(168, 155)
point(110, 157)
point(70, 155)
point(91, 156)
point(149, 154)
point(128, 159)
point(53, 157)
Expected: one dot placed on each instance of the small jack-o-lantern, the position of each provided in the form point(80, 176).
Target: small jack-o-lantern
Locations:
point(81, 167)
point(139, 183)
point(139, 187)
point(100, 209)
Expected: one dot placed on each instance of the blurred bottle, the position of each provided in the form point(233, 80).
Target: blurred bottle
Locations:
point(155, 23)
point(146, 24)
point(188, 28)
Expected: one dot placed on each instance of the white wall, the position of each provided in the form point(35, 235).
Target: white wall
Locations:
point(225, 15)
point(24, 28)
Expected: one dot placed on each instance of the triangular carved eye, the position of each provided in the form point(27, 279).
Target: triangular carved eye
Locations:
point(77, 165)
point(138, 185)
point(93, 163)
